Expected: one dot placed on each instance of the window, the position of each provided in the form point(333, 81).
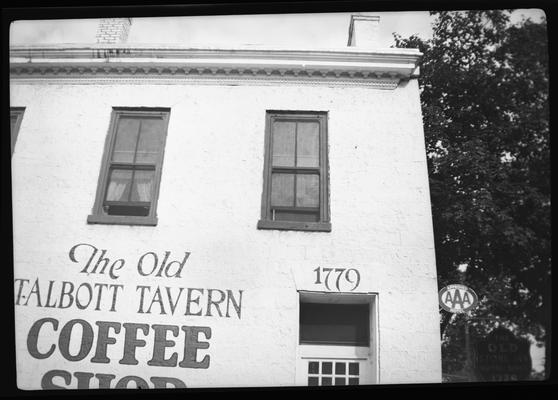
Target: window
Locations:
point(16, 115)
point(295, 193)
point(335, 324)
point(337, 343)
point(131, 170)
point(329, 373)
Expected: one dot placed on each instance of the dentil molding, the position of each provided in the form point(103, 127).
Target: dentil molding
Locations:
point(137, 64)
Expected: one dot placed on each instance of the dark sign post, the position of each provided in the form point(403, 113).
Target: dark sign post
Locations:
point(502, 357)
point(460, 299)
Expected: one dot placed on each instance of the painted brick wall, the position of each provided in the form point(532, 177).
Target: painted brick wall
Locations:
point(113, 30)
point(209, 205)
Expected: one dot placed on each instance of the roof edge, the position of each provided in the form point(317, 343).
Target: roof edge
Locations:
point(123, 58)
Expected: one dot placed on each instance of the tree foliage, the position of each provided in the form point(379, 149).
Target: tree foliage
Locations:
point(484, 95)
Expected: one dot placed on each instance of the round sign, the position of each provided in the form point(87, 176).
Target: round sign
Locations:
point(457, 298)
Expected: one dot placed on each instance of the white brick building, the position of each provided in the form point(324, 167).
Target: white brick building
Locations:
point(221, 217)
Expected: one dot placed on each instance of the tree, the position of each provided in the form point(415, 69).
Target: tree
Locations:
point(484, 96)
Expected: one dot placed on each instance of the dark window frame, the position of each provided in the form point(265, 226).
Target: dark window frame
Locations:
point(267, 221)
point(18, 113)
point(98, 216)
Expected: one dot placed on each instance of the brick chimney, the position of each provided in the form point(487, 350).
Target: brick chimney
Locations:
point(363, 30)
point(113, 30)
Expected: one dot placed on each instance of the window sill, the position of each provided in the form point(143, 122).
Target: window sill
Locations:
point(295, 226)
point(121, 220)
point(327, 343)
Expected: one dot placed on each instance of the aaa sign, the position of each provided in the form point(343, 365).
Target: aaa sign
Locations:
point(457, 298)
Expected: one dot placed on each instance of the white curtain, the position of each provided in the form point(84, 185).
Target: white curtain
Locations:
point(144, 190)
point(115, 191)
point(118, 185)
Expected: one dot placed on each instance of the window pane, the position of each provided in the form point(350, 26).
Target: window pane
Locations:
point(313, 367)
point(143, 182)
point(307, 190)
point(138, 211)
point(346, 324)
point(353, 381)
point(326, 381)
point(119, 185)
point(126, 138)
point(353, 369)
point(284, 144)
point(339, 381)
point(296, 216)
point(282, 190)
point(326, 368)
point(150, 140)
point(308, 144)
point(340, 368)
point(313, 381)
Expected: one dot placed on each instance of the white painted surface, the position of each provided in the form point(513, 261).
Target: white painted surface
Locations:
point(363, 31)
point(209, 204)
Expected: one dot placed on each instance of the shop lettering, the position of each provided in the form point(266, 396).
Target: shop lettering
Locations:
point(502, 347)
point(102, 261)
point(503, 377)
point(500, 357)
point(122, 343)
point(41, 342)
point(196, 302)
point(104, 381)
point(148, 264)
point(66, 294)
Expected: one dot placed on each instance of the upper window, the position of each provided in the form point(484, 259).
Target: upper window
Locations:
point(131, 169)
point(16, 115)
point(295, 193)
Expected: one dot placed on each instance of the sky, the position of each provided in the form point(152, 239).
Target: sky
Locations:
point(294, 31)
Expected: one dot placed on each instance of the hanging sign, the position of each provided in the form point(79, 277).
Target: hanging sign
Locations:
point(501, 356)
point(457, 299)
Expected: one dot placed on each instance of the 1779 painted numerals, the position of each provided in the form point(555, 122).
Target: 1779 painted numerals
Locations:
point(336, 276)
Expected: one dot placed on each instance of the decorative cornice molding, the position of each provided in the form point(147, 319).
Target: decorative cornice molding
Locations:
point(387, 84)
point(107, 63)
